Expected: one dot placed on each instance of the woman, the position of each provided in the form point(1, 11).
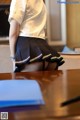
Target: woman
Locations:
point(28, 47)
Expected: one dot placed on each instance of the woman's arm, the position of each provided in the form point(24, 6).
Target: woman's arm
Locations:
point(13, 34)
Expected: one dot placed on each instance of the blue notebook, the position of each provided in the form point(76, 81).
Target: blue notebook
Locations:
point(20, 93)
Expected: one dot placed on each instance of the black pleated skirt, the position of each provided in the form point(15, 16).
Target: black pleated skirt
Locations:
point(30, 50)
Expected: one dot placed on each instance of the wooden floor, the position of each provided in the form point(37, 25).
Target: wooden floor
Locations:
point(71, 62)
point(5, 62)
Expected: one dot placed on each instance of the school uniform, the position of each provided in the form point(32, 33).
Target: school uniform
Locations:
point(31, 45)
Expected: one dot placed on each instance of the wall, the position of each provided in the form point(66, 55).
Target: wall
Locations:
point(73, 25)
point(56, 23)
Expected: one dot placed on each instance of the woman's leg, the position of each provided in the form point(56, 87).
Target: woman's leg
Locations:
point(50, 66)
point(37, 66)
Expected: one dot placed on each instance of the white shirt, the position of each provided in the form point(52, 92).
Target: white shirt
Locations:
point(31, 15)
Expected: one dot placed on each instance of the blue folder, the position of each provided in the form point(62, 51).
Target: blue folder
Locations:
point(20, 93)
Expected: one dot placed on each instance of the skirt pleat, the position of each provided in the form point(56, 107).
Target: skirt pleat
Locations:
point(35, 49)
point(35, 52)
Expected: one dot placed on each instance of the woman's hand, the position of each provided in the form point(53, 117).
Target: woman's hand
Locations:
point(13, 64)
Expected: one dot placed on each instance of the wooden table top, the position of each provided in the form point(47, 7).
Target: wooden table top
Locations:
point(57, 87)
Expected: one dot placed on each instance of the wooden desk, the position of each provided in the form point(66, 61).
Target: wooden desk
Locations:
point(56, 87)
